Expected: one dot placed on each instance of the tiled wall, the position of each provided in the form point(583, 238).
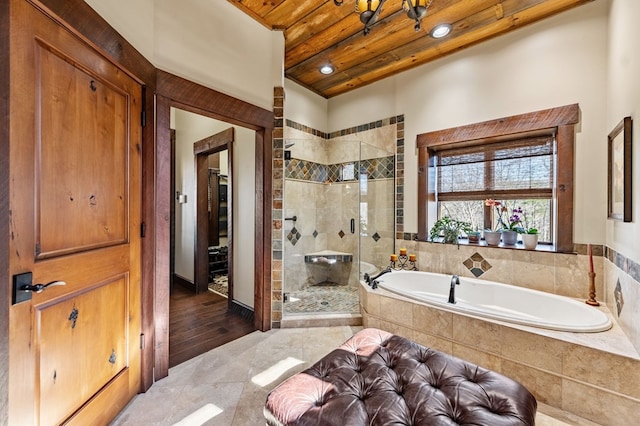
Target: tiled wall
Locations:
point(622, 293)
point(617, 278)
point(559, 273)
point(311, 171)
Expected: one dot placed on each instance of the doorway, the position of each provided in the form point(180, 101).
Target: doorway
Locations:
point(207, 187)
point(217, 208)
point(214, 212)
point(175, 92)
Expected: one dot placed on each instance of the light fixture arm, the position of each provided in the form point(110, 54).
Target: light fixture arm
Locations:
point(414, 9)
point(372, 20)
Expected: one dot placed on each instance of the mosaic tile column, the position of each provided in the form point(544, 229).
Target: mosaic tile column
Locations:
point(400, 195)
point(278, 191)
point(400, 177)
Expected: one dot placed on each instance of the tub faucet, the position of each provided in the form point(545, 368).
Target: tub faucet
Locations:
point(455, 280)
point(372, 281)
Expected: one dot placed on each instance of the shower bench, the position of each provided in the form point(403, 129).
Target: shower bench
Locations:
point(377, 378)
point(328, 257)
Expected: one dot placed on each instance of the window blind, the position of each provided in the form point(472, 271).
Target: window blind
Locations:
point(509, 169)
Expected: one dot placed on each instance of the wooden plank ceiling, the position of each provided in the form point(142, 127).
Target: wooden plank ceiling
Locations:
point(317, 32)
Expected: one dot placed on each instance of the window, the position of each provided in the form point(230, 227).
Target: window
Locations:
point(524, 160)
point(518, 172)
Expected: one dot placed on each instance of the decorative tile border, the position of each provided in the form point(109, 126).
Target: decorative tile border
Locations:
point(349, 131)
point(306, 129)
point(628, 266)
point(375, 168)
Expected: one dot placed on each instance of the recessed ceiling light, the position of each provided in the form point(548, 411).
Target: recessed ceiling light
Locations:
point(326, 69)
point(440, 31)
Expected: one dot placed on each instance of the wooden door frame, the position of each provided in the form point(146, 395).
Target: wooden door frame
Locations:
point(202, 149)
point(174, 91)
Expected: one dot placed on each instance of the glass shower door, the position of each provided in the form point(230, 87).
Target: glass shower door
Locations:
point(321, 227)
point(377, 208)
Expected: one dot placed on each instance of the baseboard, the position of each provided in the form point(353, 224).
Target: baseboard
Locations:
point(239, 308)
point(183, 282)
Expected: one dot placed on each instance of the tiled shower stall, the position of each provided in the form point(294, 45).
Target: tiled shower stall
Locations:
point(337, 216)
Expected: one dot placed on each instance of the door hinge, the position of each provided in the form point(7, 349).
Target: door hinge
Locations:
point(143, 118)
point(142, 342)
point(143, 229)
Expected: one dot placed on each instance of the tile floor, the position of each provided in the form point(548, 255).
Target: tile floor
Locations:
point(228, 385)
point(323, 299)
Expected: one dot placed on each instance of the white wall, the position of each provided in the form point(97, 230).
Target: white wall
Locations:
point(133, 19)
point(304, 106)
point(370, 103)
point(209, 42)
point(556, 62)
point(624, 100)
point(189, 129)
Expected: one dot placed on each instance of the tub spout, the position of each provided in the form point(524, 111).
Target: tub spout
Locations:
point(455, 280)
point(372, 281)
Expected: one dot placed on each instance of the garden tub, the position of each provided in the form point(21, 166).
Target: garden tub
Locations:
point(503, 302)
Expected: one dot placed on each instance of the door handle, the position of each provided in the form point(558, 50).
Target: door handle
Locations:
point(23, 287)
point(38, 288)
point(353, 226)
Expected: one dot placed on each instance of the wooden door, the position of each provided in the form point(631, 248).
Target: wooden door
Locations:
point(202, 149)
point(75, 167)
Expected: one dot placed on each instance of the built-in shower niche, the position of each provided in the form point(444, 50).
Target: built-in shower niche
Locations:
point(328, 268)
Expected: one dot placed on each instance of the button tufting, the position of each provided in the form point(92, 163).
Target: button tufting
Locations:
point(401, 374)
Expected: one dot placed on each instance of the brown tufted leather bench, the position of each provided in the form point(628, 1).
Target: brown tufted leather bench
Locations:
point(377, 378)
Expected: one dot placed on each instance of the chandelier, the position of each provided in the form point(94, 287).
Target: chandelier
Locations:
point(369, 11)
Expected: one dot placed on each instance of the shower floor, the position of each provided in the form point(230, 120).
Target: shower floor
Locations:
point(323, 298)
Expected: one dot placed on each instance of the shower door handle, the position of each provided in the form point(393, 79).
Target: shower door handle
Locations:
point(353, 226)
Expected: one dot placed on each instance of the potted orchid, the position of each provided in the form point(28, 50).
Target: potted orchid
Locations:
point(510, 227)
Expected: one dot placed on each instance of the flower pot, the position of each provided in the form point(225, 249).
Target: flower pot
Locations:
point(474, 237)
point(509, 238)
point(530, 241)
point(492, 238)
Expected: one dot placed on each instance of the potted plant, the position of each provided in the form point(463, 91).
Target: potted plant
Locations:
point(509, 229)
point(474, 236)
point(448, 229)
point(530, 238)
point(492, 236)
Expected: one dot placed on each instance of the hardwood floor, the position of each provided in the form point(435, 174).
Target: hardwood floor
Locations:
point(199, 323)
